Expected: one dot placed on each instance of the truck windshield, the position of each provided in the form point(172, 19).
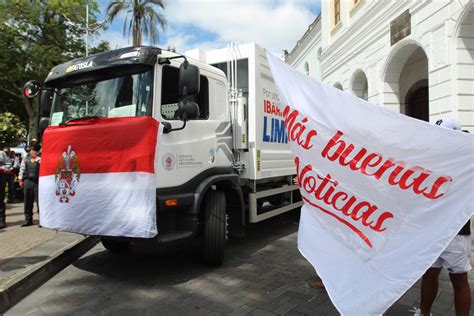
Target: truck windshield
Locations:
point(129, 95)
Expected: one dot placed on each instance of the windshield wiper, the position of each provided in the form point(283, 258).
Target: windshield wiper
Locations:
point(87, 117)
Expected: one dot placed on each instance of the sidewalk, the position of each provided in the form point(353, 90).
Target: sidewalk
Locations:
point(16, 240)
point(31, 255)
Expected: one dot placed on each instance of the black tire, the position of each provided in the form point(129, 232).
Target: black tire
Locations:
point(115, 246)
point(215, 226)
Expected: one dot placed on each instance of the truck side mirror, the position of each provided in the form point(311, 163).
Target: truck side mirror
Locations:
point(46, 103)
point(189, 79)
point(43, 124)
point(187, 110)
point(31, 89)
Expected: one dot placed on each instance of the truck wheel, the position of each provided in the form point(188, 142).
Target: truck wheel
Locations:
point(115, 246)
point(215, 228)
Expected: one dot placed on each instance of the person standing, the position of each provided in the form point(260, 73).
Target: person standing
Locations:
point(28, 179)
point(10, 173)
point(456, 259)
point(3, 162)
point(14, 174)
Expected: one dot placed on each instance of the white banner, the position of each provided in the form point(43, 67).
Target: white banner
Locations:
point(384, 193)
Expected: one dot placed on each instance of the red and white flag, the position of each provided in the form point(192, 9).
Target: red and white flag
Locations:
point(97, 177)
point(383, 193)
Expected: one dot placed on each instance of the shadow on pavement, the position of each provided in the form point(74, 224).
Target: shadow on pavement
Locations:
point(18, 223)
point(15, 263)
point(261, 272)
point(145, 264)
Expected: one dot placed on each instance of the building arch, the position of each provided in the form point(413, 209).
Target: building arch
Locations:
point(406, 69)
point(400, 50)
point(359, 84)
point(416, 101)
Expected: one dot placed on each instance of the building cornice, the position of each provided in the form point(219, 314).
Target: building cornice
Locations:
point(302, 55)
point(313, 29)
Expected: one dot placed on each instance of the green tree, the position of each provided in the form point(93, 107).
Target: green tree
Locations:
point(103, 46)
point(12, 130)
point(34, 37)
point(144, 19)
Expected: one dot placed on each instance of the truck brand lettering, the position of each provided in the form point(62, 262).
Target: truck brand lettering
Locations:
point(79, 66)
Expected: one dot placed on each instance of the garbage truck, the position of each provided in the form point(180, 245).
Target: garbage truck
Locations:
point(224, 160)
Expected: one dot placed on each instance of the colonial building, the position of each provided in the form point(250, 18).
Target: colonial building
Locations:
point(306, 55)
point(414, 57)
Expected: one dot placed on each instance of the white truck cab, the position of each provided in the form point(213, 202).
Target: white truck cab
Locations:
point(223, 160)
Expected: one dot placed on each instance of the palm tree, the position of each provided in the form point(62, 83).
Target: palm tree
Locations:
point(144, 19)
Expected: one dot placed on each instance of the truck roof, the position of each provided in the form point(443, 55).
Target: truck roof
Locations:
point(117, 63)
point(91, 68)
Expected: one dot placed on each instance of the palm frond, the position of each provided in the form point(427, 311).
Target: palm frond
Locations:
point(157, 17)
point(159, 3)
point(114, 8)
point(154, 22)
point(145, 18)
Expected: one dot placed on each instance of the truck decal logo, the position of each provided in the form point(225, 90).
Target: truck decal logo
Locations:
point(168, 161)
point(67, 175)
point(79, 66)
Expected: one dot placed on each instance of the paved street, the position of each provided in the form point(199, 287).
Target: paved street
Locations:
point(264, 274)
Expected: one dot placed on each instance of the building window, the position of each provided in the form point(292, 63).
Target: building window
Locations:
point(306, 68)
point(360, 86)
point(355, 4)
point(337, 12)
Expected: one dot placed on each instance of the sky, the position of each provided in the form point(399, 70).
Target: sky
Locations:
point(211, 24)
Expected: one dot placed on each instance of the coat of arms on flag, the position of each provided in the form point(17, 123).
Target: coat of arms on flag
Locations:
point(67, 176)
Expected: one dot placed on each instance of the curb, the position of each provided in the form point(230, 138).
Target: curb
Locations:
point(26, 282)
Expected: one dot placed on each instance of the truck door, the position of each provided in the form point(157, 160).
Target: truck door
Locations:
point(204, 145)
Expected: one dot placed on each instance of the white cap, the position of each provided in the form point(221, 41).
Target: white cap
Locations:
point(449, 122)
